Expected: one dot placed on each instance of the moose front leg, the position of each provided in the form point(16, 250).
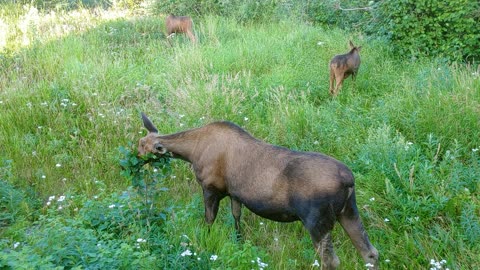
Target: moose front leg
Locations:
point(211, 201)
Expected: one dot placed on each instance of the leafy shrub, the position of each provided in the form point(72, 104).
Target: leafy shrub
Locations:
point(243, 11)
point(437, 28)
point(14, 203)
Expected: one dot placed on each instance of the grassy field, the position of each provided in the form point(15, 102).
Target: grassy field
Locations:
point(73, 84)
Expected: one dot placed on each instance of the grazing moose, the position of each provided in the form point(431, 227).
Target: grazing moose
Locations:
point(342, 66)
point(180, 24)
point(272, 181)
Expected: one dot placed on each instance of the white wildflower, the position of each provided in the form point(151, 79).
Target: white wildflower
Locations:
point(58, 165)
point(213, 257)
point(386, 220)
point(368, 265)
point(316, 263)
point(61, 199)
point(16, 244)
point(141, 240)
point(186, 253)
point(372, 199)
point(111, 206)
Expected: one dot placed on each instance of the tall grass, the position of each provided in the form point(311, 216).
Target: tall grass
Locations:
point(408, 129)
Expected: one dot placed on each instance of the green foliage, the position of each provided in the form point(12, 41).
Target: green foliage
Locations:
point(133, 167)
point(241, 10)
point(446, 29)
point(408, 129)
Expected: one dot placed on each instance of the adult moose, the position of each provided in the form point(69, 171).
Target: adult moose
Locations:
point(272, 181)
point(342, 66)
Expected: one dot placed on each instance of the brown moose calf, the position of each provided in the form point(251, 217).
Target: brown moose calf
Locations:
point(180, 24)
point(342, 66)
point(273, 182)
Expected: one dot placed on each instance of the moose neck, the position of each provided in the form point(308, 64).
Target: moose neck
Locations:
point(182, 145)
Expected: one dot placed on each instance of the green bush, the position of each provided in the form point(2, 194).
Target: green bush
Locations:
point(446, 29)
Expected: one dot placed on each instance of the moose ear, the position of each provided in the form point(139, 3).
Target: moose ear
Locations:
point(350, 43)
point(148, 124)
point(359, 48)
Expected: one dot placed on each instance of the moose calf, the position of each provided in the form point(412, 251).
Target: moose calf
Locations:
point(180, 24)
point(272, 181)
point(342, 66)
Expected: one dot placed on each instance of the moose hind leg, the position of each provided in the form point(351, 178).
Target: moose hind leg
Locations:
point(322, 240)
point(236, 212)
point(352, 224)
point(211, 201)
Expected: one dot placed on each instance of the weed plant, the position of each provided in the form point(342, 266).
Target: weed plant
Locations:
point(69, 99)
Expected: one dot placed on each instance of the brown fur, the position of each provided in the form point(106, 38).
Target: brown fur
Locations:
point(342, 66)
point(180, 24)
point(273, 182)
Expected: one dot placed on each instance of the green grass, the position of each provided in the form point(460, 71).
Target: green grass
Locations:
point(409, 130)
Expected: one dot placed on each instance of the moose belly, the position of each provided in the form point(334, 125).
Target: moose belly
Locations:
point(273, 211)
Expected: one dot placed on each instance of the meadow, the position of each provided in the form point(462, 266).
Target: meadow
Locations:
point(73, 84)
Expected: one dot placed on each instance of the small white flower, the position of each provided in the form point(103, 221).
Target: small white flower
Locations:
point(315, 142)
point(16, 245)
point(111, 206)
point(155, 170)
point(95, 197)
point(186, 253)
point(213, 258)
point(261, 223)
point(48, 203)
point(387, 260)
point(39, 127)
point(61, 199)
point(245, 118)
point(316, 264)
point(58, 165)
point(43, 177)
point(181, 116)
point(60, 208)
point(368, 265)
point(141, 240)
point(51, 198)
point(372, 199)
point(474, 149)
point(386, 220)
